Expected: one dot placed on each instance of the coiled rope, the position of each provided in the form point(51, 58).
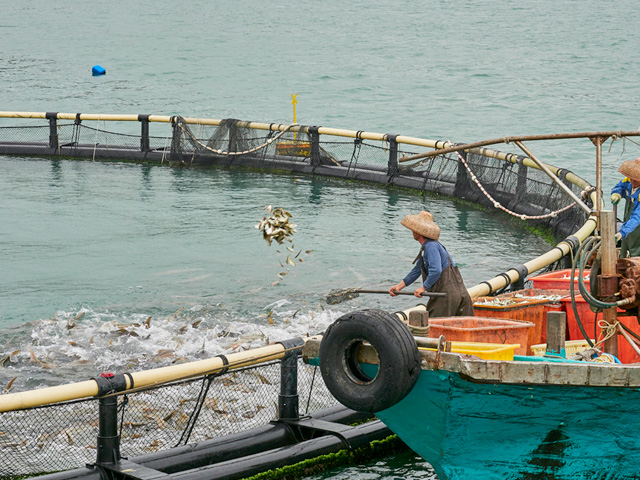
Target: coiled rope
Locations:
point(610, 330)
point(222, 152)
point(497, 204)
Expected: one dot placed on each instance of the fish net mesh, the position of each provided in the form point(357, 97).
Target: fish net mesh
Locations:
point(63, 436)
point(515, 187)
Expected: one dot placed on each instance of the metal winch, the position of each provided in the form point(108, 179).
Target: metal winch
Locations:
point(628, 278)
point(624, 285)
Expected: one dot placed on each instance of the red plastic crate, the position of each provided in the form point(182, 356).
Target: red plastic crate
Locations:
point(626, 353)
point(482, 330)
point(559, 280)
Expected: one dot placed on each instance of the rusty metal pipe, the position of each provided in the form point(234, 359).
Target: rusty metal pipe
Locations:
point(522, 138)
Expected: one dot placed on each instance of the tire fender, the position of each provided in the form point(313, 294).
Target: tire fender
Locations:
point(399, 360)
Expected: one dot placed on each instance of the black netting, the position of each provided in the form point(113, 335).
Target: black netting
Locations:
point(31, 134)
point(63, 436)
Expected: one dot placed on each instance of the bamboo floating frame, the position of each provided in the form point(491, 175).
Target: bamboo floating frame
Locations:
point(441, 147)
point(158, 376)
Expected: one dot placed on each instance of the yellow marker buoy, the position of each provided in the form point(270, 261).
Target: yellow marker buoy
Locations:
point(293, 102)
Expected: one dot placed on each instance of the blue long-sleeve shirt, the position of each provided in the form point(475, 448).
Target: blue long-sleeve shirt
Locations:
point(435, 259)
point(624, 189)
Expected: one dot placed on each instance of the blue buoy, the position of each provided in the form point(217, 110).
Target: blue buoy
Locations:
point(98, 70)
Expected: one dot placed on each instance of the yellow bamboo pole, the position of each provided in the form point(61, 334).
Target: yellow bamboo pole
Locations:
point(293, 102)
point(89, 388)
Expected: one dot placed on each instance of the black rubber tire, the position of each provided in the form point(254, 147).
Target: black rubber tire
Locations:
point(399, 360)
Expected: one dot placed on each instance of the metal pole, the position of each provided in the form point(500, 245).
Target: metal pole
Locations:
point(566, 189)
point(144, 134)
point(315, 146)
point(108, 438)
point(392, 165)
point(598, 144)
point(53, 129)
point(608, 259)
point(288, 398)
point(448, 147)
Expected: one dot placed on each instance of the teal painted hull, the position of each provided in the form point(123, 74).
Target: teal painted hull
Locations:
point(495, 431)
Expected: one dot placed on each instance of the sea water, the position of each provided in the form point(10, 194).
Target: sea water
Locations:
point(89, 248)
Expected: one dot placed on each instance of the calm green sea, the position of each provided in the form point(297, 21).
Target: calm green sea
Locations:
point(103, 245)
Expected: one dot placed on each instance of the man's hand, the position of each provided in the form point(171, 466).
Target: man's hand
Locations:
point(618, 237)
point(419, 291)
point(615, 198)
point(396, 288)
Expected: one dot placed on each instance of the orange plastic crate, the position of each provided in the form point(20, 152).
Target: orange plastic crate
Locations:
point(521, 309)
point(553, 304)
point(482, 330)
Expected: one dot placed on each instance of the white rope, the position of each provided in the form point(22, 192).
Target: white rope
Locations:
point(164, 150)
point(222, 152)
point(497, 204)
point(608, 330)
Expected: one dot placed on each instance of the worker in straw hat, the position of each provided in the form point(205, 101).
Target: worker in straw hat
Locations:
point(628, 188)
point(439, 273)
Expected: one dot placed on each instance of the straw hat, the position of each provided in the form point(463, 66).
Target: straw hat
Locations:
point(422, 224)
point(631, 169)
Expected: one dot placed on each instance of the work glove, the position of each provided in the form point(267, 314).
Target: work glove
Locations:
point(618, 237)
point(615, 198)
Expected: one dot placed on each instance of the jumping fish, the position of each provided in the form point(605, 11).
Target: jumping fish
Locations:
point(36, 360)
point(7, 389)
point(7, 358)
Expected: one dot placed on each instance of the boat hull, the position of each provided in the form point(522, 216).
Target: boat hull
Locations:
point(475, 430)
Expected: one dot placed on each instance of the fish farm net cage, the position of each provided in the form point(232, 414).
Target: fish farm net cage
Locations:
point(62, 436)
point(488, 178)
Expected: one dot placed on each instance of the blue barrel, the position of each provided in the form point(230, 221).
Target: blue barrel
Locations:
point(98, 70)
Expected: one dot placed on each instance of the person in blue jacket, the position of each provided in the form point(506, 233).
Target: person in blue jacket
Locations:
point(439, 273)
point(628, 189)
